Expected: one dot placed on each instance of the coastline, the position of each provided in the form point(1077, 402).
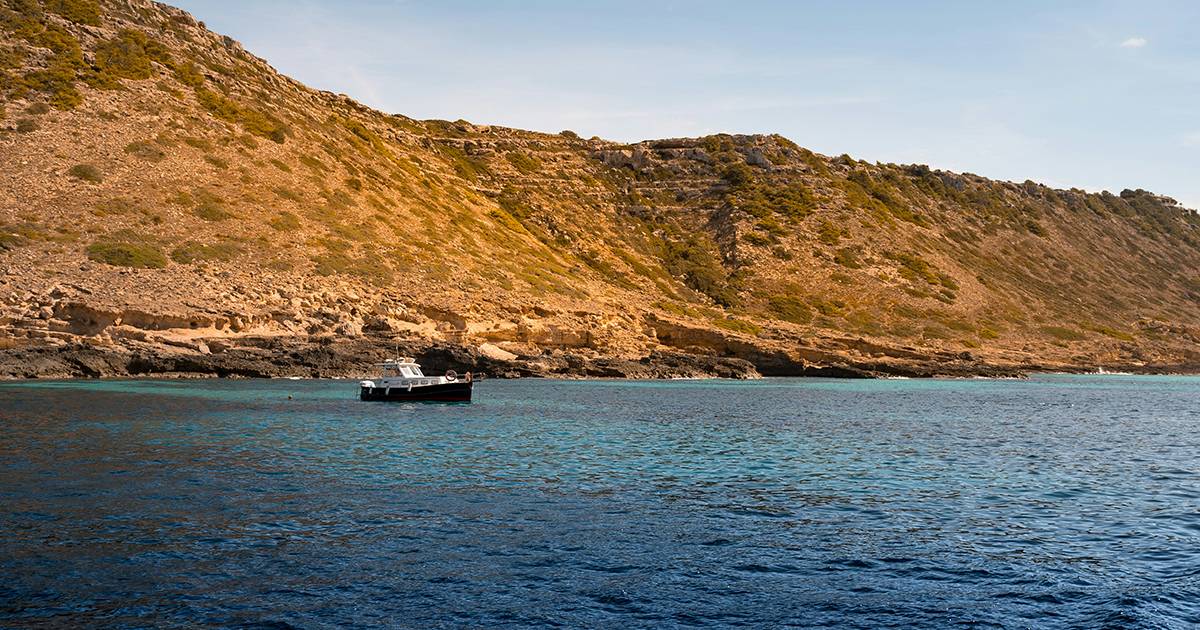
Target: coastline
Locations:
point(355, 357)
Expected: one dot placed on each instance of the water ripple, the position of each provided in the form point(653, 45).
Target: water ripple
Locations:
point(1060, 502)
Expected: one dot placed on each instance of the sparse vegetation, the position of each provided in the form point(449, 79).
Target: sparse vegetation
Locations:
point(790, 308)
point(251, 120)
point(464, 165)
point(198, 143)
point(10, 238)
point(847, 257)
point(313, 163)
point(340, 263)
point(692, 260)
point(738, 325)
point(523, 162)
point(123, 252)
point(283, 192)
point(128, 55)
point(65, 66)
point(188, 74)
point(78, 11)
point(86, 172)
point(146, 151)
point(285, 222)
point(829, 233)
point(209, 206)
point(754, 238)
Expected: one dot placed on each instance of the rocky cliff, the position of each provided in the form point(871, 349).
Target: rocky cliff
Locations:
point(171, 204)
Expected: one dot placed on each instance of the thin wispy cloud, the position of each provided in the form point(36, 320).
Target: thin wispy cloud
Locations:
point(1192, 139)
point(1134, 42)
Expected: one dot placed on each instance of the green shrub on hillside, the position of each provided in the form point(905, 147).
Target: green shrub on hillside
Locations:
point(251, 120)
point(338, 263)
point(11, 238)
point(792, 200)
point(506, 219)
point(882, 199)
point(11, 58)
point(829, 308)
point(465, 166)
point(523, 162)
point(913, 267)
point(26, 125)
point(511, 202)
point(285, 222)
point(760, 240)
point(829, 233)
point(66, 64)
point(210, 207)
point(140, 255)
point(313, 163)
point(360, 135)
point(790, 309)
point(1110, 332)
point(189, 74)
point(738, 175)
point(198, 143)
point(86, 172)
point(692, 259)
point(145, 150)
point(283, 192)
point(847, 257)
point(116, 206)
point(78, 11)
point(126, 55)
point(738, 325)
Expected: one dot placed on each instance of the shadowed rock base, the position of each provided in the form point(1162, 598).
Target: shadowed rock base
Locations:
point(333, 357)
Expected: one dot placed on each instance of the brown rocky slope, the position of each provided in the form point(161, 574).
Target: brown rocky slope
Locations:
point(169, 204)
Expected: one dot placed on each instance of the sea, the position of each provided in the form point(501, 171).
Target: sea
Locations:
point(1052, 502)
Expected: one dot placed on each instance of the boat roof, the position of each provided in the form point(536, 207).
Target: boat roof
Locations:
point(397, 362)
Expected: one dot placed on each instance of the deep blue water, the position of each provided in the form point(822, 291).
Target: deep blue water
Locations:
point(1062, 501)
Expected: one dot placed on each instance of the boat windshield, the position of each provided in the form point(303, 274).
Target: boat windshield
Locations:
point(406, 370)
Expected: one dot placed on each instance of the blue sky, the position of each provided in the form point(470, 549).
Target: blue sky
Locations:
point(1096, 95)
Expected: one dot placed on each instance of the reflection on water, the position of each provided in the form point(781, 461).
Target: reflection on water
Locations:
point(1057, 502)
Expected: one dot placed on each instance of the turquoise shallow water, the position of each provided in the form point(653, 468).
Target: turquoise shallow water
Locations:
point(1061, 501)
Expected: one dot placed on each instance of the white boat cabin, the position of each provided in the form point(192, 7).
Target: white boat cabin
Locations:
point(406, 373)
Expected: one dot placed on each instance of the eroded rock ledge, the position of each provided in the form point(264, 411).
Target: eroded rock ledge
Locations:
point(335, 357)
point(67, 331)
point(332, 357)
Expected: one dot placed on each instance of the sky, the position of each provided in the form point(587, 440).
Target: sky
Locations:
point(1100, 95)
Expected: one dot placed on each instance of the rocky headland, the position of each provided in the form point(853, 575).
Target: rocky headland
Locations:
point(170, 205)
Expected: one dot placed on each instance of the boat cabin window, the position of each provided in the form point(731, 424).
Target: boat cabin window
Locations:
point(402, 370)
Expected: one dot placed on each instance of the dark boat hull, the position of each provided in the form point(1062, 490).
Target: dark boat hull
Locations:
point(459, 391)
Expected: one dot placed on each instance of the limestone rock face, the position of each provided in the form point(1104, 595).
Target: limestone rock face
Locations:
point(203, 213)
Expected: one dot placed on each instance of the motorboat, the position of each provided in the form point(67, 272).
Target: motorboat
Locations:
point(402, 379)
